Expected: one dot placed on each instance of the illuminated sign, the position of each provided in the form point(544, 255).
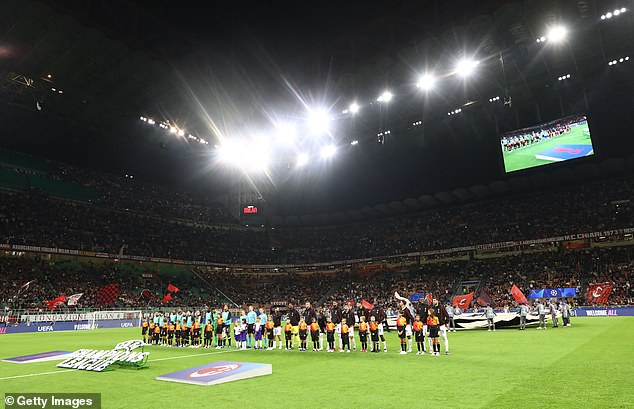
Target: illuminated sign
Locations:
point(250, 210)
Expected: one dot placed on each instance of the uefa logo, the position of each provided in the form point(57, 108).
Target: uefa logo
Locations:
point(214, 370)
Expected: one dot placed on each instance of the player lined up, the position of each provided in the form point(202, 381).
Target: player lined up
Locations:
point(264, 331)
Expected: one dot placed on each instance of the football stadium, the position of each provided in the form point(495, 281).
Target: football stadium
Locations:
point(411, 204)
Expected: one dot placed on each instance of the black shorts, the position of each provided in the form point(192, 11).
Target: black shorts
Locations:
point(144, 331)
point(419, 336)
point(170, 334)
point(401, 332)
point(363, 336)
point(330, 336)
point(433, 332)
point(314, 335)
point(288, 335)
point(303, 335)
point(250, 328)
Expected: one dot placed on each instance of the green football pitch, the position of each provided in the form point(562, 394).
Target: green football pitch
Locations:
point(525, 157)
point(587, 365)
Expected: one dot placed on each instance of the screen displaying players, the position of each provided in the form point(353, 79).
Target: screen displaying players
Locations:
point(556, 141)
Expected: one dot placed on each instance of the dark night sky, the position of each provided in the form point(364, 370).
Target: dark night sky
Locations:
point(250, 46)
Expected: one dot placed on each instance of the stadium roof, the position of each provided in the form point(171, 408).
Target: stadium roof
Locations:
point(114, 61)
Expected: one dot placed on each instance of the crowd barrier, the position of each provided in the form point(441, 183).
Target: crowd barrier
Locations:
point(23, 327)
point(83, 324)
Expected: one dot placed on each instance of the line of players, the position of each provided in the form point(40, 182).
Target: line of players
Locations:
point(336, 324)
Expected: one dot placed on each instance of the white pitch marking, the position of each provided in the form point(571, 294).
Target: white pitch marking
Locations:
point(153, 360)
point(35, 374)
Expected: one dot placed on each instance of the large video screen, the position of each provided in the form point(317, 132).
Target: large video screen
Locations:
point(556, 141)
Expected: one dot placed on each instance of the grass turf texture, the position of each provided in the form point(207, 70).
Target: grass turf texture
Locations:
point(588, 365)
point(524, 158)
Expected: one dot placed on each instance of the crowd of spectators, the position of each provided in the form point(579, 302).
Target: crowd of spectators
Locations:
point(49, 279)
point(126, 192)
point(33, 219)
point(209, 287)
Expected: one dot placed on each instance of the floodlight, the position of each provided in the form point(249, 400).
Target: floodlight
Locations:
point(465, 67)
point(328, 151)
point(557, 34)
point(354, 108)
point(386, 96)
point(319, 121)
point(355, 142)
point(302, 159)
point(286, 133)
point(426, 82)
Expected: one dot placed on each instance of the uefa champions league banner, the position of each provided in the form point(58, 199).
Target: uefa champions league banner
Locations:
point(65, 326)
point(568, 292)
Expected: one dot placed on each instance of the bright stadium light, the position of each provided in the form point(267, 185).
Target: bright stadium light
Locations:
point(465, 67)
point(615, 13)
point(426, 82)
point(230, 152)
point(355, 142)
point(557, 34)
point(302, 159)
point(386, 97)
point(354, 108)
point(319, 121)
point(328, 151)
point(285, 133)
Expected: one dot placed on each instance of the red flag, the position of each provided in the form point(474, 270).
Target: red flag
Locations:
point(462, 301)
point(430, 298)
point(52, 304)
point(367, 305)
point(107, 294)
point(167, 298)
point(598, 293)
point(484, 298)
point(518, 295)
point(350, 303)
point(146, 294)
point(172, 288)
